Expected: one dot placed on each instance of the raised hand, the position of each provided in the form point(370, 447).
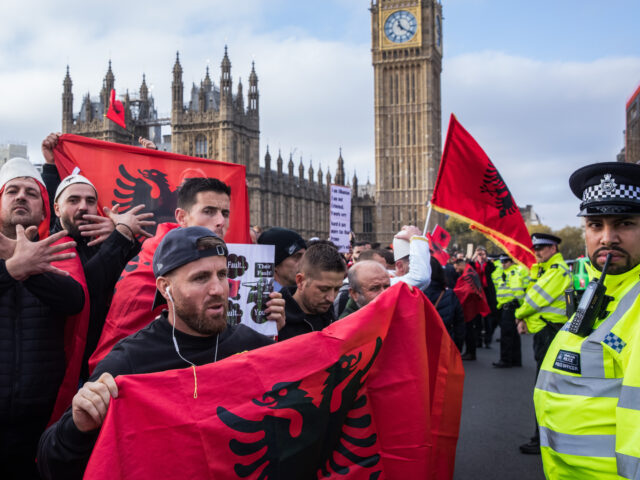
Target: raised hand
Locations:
point(407, 232)
point(32, 258)
point(48, 144)
point(146, 143)
point(275, 309)
point(131, 222)
point(99, 228)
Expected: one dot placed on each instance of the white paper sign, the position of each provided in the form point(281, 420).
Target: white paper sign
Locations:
point(340, 217)
point(251, 269)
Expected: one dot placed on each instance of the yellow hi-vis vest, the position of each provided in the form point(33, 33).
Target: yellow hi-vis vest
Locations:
point(544, 299)
point(510, 287)
point(587, 408)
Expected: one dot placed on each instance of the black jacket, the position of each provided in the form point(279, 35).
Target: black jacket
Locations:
point(102, 264)
point(298, 322)
point(64, 451)
point(450, 310)
point(32, 360)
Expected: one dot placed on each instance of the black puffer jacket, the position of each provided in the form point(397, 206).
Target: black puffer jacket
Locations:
point(32, 360)
point(449, 309)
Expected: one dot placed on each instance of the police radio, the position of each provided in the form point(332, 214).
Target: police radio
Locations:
point(592, 306)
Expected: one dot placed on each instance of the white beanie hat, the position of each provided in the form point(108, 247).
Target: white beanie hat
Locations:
point(70, 180)
point(16, 168)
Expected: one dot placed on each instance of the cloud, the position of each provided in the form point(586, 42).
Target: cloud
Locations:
point(537, 120)
point(540, 121)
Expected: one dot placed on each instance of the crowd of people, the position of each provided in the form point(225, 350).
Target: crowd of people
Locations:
point(62, 262)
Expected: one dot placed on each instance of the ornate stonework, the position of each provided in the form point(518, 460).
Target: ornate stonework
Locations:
point(215, 123)
point(407, 61)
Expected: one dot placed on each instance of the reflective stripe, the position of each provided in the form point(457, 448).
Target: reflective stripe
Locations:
point(629, 398)
point(587, 387)
point(628, 466)
point(559, 311)
point(542, 293)
point(531, 303)
point(581, 445)
point(503, 295)
point(518, 289)
point(591, 355)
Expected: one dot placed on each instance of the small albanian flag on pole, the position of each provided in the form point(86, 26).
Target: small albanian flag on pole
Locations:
point(115, 113)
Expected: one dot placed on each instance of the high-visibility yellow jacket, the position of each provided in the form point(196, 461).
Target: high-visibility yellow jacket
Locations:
point(587, 396)
point(525, 276)
point(544, 299)
point(510, 286)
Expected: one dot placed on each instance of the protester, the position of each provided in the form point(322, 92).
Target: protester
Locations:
point(201, 202)
point(510, 294)
point(411, 255)
point(358, 248)
point(37, 296)
point(543, 311)
point(289, 248)
point(190, 267)
point(308, 305)
point(482, 265)
point(586, 397)
point(447, 304)
point(474, 304)
point(367, 280)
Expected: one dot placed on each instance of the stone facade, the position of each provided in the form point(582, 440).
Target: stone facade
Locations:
point(407, 62)
point(632, 132)
point(215, 123)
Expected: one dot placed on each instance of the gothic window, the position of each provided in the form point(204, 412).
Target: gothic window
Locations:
point(201, 146)
point(367, 220)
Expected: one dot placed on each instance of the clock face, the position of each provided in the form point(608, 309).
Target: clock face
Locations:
point(400, 26)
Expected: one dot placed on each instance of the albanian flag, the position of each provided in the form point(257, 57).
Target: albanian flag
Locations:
point(132, 176)
point(115, 113)
point(438, 241)
point(361, 399)
point(470, 188)
point(469, 291)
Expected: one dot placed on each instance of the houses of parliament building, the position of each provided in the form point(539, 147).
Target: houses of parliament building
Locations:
point(216, 123)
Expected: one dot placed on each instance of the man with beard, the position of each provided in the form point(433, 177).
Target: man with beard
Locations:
point(104, 253)
point(190, 267)
point(36, 297)
point(587, 396)
point(308, 305)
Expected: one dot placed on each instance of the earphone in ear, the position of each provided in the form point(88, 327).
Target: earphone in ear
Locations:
point(167, 291)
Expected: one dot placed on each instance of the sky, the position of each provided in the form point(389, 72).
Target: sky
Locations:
point(540, 85)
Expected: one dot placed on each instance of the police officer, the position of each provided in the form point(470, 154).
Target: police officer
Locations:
point(509, 294)
point(587, 396)
point(543, 311)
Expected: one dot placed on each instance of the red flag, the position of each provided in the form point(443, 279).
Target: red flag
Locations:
point(367, 399)
point(75, 336)
point(132, 175)
point(441, 236)
point(469, 291)
point(437, 251)
point(129, 313)
point(470, 188)
point(115, 113)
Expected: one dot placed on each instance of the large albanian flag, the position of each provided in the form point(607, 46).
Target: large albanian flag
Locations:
point(375, 395)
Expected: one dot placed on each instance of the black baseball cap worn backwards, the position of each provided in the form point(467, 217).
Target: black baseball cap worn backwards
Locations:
point(179, 247)
point(607, 188)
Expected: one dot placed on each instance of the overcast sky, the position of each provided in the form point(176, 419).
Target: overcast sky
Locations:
point(540, 85)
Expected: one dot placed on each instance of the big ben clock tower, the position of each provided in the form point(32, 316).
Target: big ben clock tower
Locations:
point(407, 61)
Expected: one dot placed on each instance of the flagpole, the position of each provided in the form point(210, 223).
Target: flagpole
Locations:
point(424, 232)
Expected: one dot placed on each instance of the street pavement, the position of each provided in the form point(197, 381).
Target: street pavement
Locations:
point(497, 417)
